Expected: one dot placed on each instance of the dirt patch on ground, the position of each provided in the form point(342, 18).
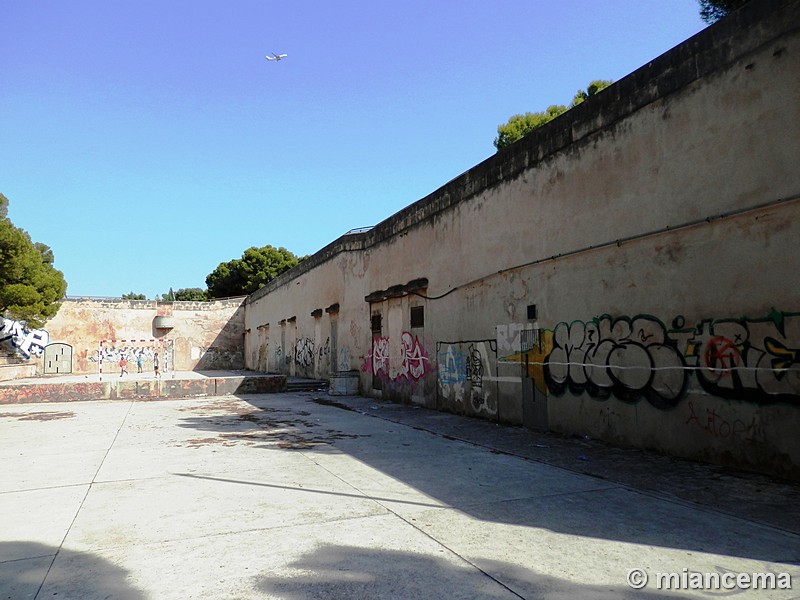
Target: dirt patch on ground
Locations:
point(237, 423)
point(38, 416)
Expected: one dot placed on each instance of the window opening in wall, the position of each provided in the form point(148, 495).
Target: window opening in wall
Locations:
point(377, 323)
point(417, 316)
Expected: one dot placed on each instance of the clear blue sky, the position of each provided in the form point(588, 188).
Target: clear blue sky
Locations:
point(147, 141)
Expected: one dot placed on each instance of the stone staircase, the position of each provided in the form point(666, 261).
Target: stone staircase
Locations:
point(302, 384)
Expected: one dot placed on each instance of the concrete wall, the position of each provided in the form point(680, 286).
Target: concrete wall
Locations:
point(13, 366)
point(625, 272)
point(204, 336)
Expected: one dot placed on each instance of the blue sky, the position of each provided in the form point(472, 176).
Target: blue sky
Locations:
point(146, 142)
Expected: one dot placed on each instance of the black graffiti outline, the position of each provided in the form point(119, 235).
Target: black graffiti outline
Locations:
point(592, 356)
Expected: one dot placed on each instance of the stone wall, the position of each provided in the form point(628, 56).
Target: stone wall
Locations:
point(202, 336)
point(625, 272)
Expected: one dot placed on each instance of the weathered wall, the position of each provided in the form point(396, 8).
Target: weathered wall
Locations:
point(204, 336)
point(625, 272)
point(18, 345)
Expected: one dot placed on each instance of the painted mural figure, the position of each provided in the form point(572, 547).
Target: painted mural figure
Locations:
point(155, 365)
point(123, 366)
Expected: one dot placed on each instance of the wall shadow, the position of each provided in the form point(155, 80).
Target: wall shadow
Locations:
point(337, 571)
point(226, 352)
point(73, 575)
point(467, 478)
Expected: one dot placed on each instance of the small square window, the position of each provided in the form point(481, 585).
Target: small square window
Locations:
point(376, 323)
point(417, 316)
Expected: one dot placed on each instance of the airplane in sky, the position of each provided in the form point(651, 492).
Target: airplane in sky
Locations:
point(276, 56)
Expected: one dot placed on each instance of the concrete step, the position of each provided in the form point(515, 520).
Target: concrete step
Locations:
point(306, 385)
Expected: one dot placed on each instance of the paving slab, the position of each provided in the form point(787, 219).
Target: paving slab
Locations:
point(295, 496)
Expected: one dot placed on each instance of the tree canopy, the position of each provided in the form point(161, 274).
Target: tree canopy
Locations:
point(712, 11)
point(520, 125)
point(133, 296)
point(185, 294)
point(256, 268)
point(31, 288)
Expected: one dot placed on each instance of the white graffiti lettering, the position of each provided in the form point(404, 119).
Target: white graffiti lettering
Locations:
point(26, 342)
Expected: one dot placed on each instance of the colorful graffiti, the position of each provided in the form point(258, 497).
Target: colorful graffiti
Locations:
point(464, 373)
point(755, 360)
point(24, 341)
point(113, 354)
point(411, 363)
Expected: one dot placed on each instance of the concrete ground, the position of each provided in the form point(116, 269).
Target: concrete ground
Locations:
point(309, 496)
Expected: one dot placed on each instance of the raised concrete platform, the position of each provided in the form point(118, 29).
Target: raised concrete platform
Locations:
point(179, 384)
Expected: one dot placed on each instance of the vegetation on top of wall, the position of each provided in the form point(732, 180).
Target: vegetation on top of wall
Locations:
point(133, 296)
point(31, 288)
point(712, 11)
point(518, 126)
point(256, 268)
point(194, 294)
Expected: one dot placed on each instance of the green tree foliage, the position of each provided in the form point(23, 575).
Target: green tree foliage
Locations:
point(593, 88)
point(712, 11)
point(256, 268)
point(133, 296)
point(185, 294)
point(191, 294)
point(520, 125)
point(31, 288)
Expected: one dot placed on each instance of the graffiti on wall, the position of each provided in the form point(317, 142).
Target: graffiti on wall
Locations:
point(510, 337)
point(324, 352)
point(464, 373)
point(629, 358)
point(113, 354)
point(24, 341)
point(411, 364)
point(304, 352)
point(344, 359)
point(717, 425)
point(756, 360)
point(307, 354)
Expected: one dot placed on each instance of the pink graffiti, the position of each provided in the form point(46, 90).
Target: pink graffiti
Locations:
point(413, 357)
point(414, 361)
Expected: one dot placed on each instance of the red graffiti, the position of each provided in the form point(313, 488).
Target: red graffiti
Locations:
point(716, 425)
point(721, 355)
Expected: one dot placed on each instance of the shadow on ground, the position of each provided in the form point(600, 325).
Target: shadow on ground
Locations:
point(72, 576)
point(547, 498)
point(336, 572)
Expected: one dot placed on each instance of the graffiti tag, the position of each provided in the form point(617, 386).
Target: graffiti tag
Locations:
point(411, 364)
point(26, 342)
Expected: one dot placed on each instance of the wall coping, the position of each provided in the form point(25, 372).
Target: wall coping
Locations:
point(176, 305)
